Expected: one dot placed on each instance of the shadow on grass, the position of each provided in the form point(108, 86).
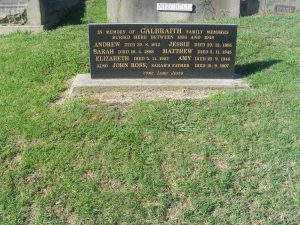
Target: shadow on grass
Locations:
point(251, 68)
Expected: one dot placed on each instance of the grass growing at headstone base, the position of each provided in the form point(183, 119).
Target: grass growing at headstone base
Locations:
point(232, 158)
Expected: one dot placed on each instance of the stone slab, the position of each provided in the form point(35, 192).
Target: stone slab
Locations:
point(145, 11)
point(84, 84)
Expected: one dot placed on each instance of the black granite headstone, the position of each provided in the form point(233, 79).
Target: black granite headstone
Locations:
point(162, 51)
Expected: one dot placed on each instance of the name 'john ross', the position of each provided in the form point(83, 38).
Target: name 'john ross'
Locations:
point(131, 65)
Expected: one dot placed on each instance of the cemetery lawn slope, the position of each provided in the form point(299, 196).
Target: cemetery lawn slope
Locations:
point(232, 158)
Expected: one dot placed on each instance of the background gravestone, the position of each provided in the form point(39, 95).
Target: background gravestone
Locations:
point(250, 7)
point(280, 6)
point(32, 15)
point(143, 11)
point(13, 11)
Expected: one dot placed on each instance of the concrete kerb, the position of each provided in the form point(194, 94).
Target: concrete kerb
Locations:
point(4, 30)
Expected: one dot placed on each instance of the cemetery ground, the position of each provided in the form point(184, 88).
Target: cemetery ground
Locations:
point(231, 158)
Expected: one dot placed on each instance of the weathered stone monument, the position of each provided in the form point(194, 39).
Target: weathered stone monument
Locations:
point(280, 6)
point(168, 11)
point(143, 11)
point(32, 15)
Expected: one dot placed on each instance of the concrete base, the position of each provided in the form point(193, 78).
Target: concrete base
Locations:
point(83, 84)
point(11, 29)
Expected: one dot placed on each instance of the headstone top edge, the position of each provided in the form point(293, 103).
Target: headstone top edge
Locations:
point(169, 24)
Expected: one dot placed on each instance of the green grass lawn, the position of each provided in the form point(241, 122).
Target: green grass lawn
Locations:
point(232, 158)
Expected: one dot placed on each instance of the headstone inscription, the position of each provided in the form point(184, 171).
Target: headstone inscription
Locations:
point(162, 51)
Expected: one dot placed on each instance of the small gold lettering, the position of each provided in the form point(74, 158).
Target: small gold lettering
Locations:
point(120, 65)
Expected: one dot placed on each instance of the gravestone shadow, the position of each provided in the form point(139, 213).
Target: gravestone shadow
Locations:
point(75, 16)
point(254, 67)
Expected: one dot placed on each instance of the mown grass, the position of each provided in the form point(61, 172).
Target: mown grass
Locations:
point(232, 158)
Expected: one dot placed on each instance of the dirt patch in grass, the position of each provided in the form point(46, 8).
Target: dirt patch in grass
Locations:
point(152, 204)
point(115, 97)
point(85, 144)
point(111, 185)
point(11, 164)
point(89, 176)
point(178, 208)
point(15, 161)
point(66, 215)
point(197, 157)
point(150, 95)
point(20, 142)
point(33, 212)
point(222, 165)
point(31, 179)
point(45, 191)
point(63, 96)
